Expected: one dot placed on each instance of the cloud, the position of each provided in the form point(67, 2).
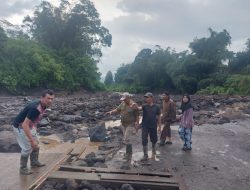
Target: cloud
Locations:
point(11, 7)
point(146, 23)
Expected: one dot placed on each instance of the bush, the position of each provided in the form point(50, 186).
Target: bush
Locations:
point(234, 85)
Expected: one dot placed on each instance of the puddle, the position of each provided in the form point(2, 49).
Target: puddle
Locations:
point(49, 142)
point(87, 142)
point(137, 156)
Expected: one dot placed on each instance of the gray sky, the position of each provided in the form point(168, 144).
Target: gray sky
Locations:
point(137, 24)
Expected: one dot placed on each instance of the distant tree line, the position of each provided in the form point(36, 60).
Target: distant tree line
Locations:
point(59, 47)
point(210, 68)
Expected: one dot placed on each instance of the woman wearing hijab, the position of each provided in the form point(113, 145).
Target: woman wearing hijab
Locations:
point(186, 122)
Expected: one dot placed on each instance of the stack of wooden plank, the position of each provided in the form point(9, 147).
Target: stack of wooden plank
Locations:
point(115, 178)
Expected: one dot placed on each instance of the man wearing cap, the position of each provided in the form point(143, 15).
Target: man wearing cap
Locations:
point(129, 119)
point(151, 117)
point(169, 116)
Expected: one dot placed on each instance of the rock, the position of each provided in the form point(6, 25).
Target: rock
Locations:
point(80, 163)
point(50, 184)
point(45, 142)
point(66, 128)
point(26, 99)
point(60, 186)
point(100, 165)
point(44, 133)
point(83, 129)
point(43, 122)
point(71, 184)
point(8, 142)
point(247, 111)
point(98, 158)
point(74, 131)
point(216, 104)
point(98, 133)
point(224, 120)
point(67, 118)
point(6, 127)
point(107, 146)
point(126, 187)
point(204, 104)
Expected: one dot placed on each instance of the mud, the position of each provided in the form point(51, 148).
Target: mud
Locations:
point(219, 159)
point(221, 137)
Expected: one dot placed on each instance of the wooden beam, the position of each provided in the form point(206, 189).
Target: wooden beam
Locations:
point(137, 178)
point(96, 178)
point(62, 158)
point(108, 170)
point(78, 150)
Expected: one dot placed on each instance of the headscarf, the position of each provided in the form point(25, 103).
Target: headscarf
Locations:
point(186, 105)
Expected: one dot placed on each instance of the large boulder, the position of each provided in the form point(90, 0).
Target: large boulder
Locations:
point(8, 142)
point(98, 133)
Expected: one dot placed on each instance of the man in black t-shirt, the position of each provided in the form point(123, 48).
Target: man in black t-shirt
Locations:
point(24, 126)
point(151, 117)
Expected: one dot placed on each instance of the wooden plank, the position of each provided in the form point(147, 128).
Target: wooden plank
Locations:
point(74, 175)
point(78, 150)
point(137, 178)
point(95, 178)
point(36, 184)
point(108, 170)
point(90, 146)
point(10, 163)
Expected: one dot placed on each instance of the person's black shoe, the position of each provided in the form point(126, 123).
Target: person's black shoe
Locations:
point(186, 148)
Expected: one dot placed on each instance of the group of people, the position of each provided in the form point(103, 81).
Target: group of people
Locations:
point(152, 119)
point(24, 125)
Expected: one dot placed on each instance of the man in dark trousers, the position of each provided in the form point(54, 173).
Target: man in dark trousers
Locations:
point(151, 117)
point(24, 127)
point(168, 117)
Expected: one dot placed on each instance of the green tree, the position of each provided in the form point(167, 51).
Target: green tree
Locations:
point(121, 75)
point(3, 38)
point(77, 28)
point(26, 64)
point(213, 48)
point(241, 62)
point(109, 78)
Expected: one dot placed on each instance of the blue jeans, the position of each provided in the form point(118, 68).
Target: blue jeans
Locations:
point(186, 136)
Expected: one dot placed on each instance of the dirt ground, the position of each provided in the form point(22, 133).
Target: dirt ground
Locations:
point(219, 159)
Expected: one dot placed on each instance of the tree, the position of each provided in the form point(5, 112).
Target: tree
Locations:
point(241, 62)
point(77, 28)
point(121, 75)
point(3, 38)
point(74, 32)
point(213, 48)
point(109, 78)
point(26, 64)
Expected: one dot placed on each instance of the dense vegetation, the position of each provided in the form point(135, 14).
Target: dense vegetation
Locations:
point(210, 68)
point(59, 47)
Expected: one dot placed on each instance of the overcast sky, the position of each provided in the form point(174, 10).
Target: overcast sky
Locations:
point(137, 24)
